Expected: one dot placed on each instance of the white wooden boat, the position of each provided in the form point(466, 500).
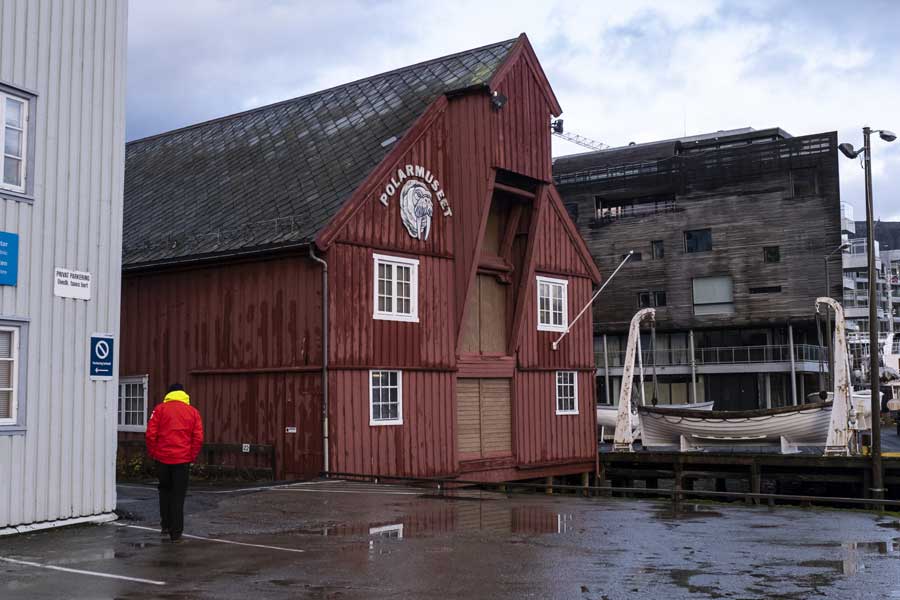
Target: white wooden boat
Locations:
point(606, 415)
point(804, 425)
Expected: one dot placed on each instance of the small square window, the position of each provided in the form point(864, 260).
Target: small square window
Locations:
point(772, 254)
point(644, 300)
point(659, 298)
point(566, 393)
point(396, 287)
point(657, 249)
point(698, 240)
point(804, 182)
point(132, 413)
point(385, 398)
point(552, 304)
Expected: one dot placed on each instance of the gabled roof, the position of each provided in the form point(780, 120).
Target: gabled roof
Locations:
point(276, 175)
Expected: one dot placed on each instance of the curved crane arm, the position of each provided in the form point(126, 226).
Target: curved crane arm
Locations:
point(625, 421)
point(838, 441)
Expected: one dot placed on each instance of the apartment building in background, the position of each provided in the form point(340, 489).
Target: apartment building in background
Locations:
point(730, 233)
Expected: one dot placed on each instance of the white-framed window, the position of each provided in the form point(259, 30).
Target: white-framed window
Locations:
point(9, 375)
point(385, 397)
point(132, 403)
point(13, 139)
point(396, 288)
point(552, 304)
point(566, 393)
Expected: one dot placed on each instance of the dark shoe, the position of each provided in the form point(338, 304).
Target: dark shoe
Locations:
point(176, 538)
point(164, 531)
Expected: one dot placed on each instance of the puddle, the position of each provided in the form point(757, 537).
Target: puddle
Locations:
point(460, 517)
point(686, 511)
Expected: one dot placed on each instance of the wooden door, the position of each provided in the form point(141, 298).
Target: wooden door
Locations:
point(484, 418)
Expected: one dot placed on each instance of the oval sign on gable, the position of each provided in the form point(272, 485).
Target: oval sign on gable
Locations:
point(417, 187)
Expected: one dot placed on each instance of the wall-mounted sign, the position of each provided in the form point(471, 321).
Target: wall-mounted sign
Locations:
point(71, 284)
point(9, 258)
point(102, 354)
point(417, 187)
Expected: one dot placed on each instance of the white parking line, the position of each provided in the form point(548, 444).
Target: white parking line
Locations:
point(80, 572)
point(217, 540)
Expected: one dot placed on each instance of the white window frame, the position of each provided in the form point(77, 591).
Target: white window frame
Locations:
point(393, 315)
point(14, 378)
point(399, 420)
point(574, 374)
point(132, 380)
point(23, 160)
point(552, 281)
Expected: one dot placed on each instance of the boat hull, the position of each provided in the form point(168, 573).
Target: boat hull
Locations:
point(606, 415)
point(804, 425)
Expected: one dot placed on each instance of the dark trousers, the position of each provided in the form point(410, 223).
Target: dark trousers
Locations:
point(173, 485)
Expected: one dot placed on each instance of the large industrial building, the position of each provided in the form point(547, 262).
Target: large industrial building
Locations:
point(62, 133)
point(730, 233)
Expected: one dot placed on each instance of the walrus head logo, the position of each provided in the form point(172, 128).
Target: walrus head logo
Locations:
point(416, 209)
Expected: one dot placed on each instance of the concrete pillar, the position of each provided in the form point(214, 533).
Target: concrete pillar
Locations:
point(793, 364)
point(693, 368)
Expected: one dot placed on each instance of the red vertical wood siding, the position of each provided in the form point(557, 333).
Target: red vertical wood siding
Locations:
point(522, 126)
point(358, 340)
point(423, 446)
point(544, 436)
point(264, 314)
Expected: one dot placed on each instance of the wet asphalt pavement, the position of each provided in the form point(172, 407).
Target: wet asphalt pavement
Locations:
point(351, 540)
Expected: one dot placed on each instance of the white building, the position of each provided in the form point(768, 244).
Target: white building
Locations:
point(62, 133)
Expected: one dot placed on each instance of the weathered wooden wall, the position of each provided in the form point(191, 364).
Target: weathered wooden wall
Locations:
point(245, 339)
point(61, 462)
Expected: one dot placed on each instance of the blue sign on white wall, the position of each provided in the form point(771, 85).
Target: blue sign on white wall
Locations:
point(102, 354)
point(9, 258)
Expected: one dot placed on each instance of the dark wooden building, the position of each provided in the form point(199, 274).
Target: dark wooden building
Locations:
point(451, 267)
point(730, 231)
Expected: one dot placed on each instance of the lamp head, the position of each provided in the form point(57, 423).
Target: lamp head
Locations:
point(498, 100)
point(888, 136)
point(848, 151)
point(556, 126)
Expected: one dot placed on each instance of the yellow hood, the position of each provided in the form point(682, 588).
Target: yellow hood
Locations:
point(177, 396)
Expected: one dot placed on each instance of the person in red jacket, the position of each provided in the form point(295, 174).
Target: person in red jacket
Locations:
point(174, 438)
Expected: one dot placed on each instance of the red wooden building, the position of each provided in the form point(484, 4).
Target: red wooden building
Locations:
point(451, 267)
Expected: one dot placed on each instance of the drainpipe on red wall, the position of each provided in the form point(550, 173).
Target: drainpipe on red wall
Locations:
point(312, 255)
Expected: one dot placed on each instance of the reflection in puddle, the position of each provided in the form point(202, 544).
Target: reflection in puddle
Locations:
point(686, 511)
point(459, 518)
point(852, 562)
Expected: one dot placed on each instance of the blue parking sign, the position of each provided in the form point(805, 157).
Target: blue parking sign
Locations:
point(9, 258)
point(102, 354)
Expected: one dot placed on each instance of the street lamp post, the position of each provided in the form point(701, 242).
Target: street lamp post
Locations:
point(828, 341)
point(874, 373)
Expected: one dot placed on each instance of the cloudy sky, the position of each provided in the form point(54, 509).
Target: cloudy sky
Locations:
point(623, 70)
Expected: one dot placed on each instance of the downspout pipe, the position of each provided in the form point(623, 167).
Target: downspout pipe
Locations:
point(325, 457)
